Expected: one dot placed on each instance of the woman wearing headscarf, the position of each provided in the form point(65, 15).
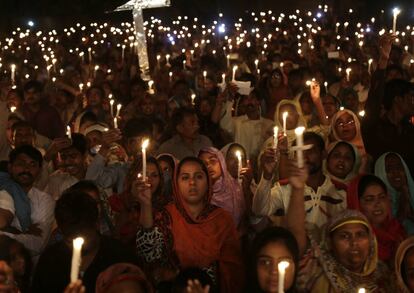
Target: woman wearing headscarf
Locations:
point(342, 162)
point(191, 232)
point(347, 257)
point(404, 266)
point(393, 170)
point(368, 194)
point(345, 126)
point(227, 192)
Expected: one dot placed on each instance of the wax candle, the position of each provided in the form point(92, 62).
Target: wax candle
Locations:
point(228, 61)
point(284, 117)
point(281, 267)
point(115, 122)
point(167, 58)
point(158, 60)
point(144, 146)
point(362, 290)
point(76, 259)
point(90, 54)
point(170, 74)
point(150, 89)
point(348, 72)
point(256, 63)
point(223, 77)
point(326, 86)
point(123, 52)
point(193, 96)
point(239, 163)
point(68, 132)
point(12, 109)
point(235, 67)
point(13, 73)
point(204, 76)
point(299, 143)
point(275, 133)
point(395, 13)
point(118, 109)
point(369, 65)
point(184, 61)
point(111, 103)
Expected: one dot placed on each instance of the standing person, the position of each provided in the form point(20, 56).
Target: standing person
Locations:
point(44, 118)
point(391, 131)
point(191, 232)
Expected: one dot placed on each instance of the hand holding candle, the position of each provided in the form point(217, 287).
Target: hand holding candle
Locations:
point(76, 259)
point(144, 147)
point(281, 267)
point(395, 13)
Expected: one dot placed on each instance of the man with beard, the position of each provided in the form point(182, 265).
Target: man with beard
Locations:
point(72, 159)
point(250, 130)
point(324, 197)
point(26, 213)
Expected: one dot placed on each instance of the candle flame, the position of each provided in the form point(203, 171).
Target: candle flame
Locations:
point(145, 143)
point(78, 242)
point(285, 114)
point(282, 266)
point(238, 155)
point(299, 130)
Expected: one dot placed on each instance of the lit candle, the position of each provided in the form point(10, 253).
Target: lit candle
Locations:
point(239, 163)
point(150, 89)
point(395, 13)
point(144, 146)
point(256, 63)
point(362, 290)
point(284, 116)
point(348, 72)
point(193, 96)
point(13, 109)
point(326, 86)
point(299, 143)
point(228, 61)
point(81, 87)
point(223, 77)
point(111, 103)
point(115, 122)
point(234, 72)
point(76, 259)
point(118, 109)
point(123, 52)
point(158, 60)
point(275, 133)
point(13, 73)
point(184, 61)
point(68, 132)
point(96, 69)
point(90, 54)
point(167, 57)
point(204, 76)
point(369, 65)
point(170, 74)
point(281, 267)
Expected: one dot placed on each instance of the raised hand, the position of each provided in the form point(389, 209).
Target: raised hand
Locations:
point(141, 192)
point(56, 146)
point(269, 162)
point(385, 44)
point(297, 176)
point(196, 287)
point(75, 287)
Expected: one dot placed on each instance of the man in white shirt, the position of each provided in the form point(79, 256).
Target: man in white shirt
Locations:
point(323, 196)
point(250, 130)
point(25, 164)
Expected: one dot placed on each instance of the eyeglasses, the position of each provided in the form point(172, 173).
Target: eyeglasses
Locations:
point(343, 124)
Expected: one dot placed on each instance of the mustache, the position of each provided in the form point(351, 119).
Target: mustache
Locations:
point(24, 173)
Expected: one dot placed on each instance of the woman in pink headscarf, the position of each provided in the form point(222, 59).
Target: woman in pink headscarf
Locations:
point(227, 192)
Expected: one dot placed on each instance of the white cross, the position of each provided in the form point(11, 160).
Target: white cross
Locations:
point(137, 6)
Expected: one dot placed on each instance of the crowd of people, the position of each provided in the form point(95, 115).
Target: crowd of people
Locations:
point(198, 180)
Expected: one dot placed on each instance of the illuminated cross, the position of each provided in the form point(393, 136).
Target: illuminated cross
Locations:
point(137, 6)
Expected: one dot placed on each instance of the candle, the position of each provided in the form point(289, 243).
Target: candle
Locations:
point(118, 109)
point(150, 89)
point(158, 60)
point(395, 13)
point(299, 144)
point(96, 69)
point(284, 116)
point(228, 61)
point(234, 72)
point(90, 54)
point(281, 267)
point(68, 132)
point(369, 65)
point(170, 74)
point(13, 109)
point(362, 290)
point(223, 77)
point(81, 87)
point(13, 73)
point(256, 63)
point(204, 76)
point(275, 133)
point(115, 122)
point(167, 58)
point(239, 163)
point(193, 96)
point(111, 102)
point(348, 71)
point(123, 53)
point(76, 259)
point(326, 86)
point(144, 146)
point(184, 61)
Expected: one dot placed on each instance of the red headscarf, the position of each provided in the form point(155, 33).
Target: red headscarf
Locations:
point(210, 239)
point(389, 236)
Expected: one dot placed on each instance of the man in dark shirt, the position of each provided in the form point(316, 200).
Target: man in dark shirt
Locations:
point(43, 117)
point(388, 129)
point(77, 215)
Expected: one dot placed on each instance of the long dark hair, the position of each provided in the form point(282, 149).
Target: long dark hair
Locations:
point(270, 235)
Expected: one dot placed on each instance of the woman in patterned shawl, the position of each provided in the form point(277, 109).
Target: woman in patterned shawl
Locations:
point(347, 257)
point(190, 232)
